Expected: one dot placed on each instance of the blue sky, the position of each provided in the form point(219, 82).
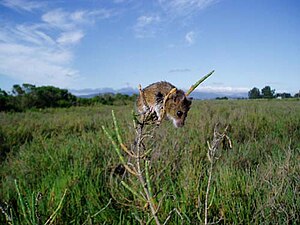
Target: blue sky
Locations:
point(80, 44)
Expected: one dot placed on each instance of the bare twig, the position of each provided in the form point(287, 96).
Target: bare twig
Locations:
point(140, 168)
point(97, 213)
point(171, 213)
point(212, 155)
point(4, 210)
point(54, 214)
point(146, 188)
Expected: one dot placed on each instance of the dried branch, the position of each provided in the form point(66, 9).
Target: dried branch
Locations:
point(212, 154)
point(140, 167)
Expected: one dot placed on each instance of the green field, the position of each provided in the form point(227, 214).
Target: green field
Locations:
point(58, 167)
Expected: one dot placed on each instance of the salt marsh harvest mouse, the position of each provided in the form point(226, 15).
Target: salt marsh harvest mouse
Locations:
point(165, 100)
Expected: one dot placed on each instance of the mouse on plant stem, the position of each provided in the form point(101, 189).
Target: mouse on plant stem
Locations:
point(165, 101)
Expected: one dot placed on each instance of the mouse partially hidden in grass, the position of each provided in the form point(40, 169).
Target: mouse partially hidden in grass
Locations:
point(164, 100)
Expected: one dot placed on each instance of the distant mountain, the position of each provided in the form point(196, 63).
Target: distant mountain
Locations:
point(89, 93)
point(128, 91)
point(213, 95)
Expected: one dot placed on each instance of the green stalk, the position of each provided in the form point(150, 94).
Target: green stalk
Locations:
point(114, 144)
point(22, 203)
point(33, 208)
point(118, 152)
point(132, 191)
point(148, 179)
point(116, 127)
point(193, 87)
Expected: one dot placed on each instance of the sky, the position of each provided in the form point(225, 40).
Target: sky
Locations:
point(89, 44)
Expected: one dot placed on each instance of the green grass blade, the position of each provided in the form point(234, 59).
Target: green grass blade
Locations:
point(117, 130)
point(21, 200)
point(132, 191)
point(114, 144)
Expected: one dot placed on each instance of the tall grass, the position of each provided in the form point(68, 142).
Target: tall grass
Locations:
point(59, 162)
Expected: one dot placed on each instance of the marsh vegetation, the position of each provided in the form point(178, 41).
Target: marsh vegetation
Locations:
point(58, 166)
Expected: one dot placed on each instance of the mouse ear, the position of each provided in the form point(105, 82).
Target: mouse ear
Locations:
point(189, 101)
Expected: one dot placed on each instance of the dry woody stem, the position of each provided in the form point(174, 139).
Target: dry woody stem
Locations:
point(213, 153)
point(140, 168)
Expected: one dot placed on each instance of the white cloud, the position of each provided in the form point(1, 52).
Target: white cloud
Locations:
point(61, 19)
point(143, 21)
point(71, 37)
point(185, 7)
point(190, 38)
point(58, 19)
point(38, 65)
point(183, 70)
point(23, 4)
point(223, 89)
point(146, 26)
point(32, 54)
point(78, 16)
point(100, 14)
point(41, 52)
point(32, 34)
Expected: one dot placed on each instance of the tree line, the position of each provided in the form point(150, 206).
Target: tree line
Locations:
point(268, 93)
point(28, 96)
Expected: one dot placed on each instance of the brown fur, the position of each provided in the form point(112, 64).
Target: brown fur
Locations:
point(177, 104)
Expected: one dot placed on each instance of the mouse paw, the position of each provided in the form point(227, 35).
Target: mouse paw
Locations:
point(158, 121)
point(151, 109)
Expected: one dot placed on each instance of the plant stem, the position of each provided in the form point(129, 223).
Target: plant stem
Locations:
point(141, 178)
point(193, 87)
point(207, 193)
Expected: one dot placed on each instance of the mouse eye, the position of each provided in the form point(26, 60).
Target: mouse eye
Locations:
point(179, 113)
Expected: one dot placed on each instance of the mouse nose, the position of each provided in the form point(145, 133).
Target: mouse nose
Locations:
point(179, 124)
